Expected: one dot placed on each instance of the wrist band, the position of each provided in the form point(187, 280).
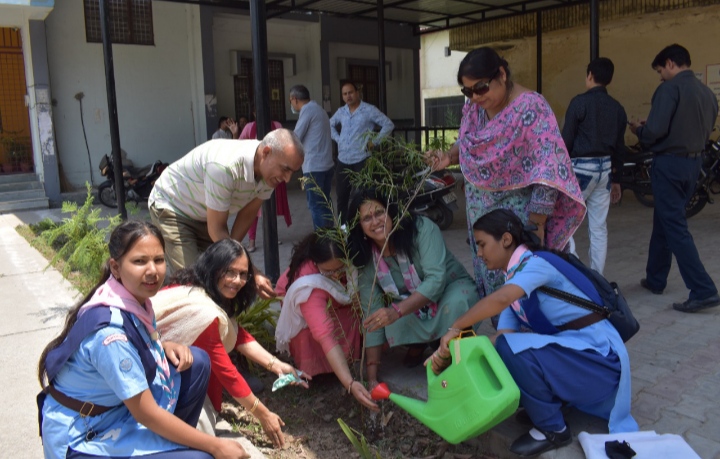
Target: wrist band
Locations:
point(350, 386)
point(397, 309)
point(271, 363)
point(255, 405)
point(456, 330)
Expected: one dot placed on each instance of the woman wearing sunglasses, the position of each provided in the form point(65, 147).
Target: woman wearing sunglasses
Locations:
point(199, 308)
point(512, 156)
point(319, 323)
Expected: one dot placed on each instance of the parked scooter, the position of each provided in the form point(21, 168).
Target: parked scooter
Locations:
point(437, 199)
point(138, 181)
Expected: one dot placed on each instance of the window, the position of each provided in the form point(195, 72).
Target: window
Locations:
point(444, 111)
point(130, 21)
point(365, 78)
point(245, 90)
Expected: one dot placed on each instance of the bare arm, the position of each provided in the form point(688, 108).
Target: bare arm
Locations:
point(337, 360)
point(147, 412)
point(244, 219)
point(217, 224)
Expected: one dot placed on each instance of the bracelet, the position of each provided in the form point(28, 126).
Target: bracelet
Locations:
point(350, 386)
point(538, 224)
point(397, 309)
point(444, 358)
point(271, 363)
point(255, 405)
point(456, 330)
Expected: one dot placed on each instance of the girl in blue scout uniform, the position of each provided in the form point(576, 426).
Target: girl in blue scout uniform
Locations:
point(113, 388)
point(586, 366)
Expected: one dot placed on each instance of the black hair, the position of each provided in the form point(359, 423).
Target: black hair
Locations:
point(349, 83)
point(221, 121)
point(209, 268)
point(602, 70)
point(300, 92)
point(122, 239)
point(482, 62)
point(676, 53)
point(401, 241)
point(315, 247)
point(501, 221)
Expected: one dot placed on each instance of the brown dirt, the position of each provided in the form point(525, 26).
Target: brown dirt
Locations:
point(312, 431)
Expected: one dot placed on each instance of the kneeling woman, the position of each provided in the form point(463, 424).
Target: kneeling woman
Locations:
point(410, 283)
point(200, 307)
point(586, 367)
point(113, 387)
point(320, 322)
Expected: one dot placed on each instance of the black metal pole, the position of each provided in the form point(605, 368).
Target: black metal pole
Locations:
point(594, 29)
point(258, 26)
point(382, 87)
point(538, 46)
point(112, 109)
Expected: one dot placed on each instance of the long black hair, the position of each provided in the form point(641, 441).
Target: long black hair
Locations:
point(483, 62)
point(501, 221)
point(212, 264)
point(122, 240)
point(401, 241)
point(314, 247)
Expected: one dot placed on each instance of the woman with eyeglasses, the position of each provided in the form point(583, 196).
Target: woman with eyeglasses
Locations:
point(412, 288)
point(199, 308)
point(512, 156)
point(319, 323)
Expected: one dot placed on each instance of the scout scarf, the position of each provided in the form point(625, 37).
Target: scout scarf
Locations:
point(516, 264)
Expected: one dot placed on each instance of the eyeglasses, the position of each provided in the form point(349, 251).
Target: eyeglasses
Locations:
point(379, 214)
point(230, 275)
point(333, 273)
point(478, 88)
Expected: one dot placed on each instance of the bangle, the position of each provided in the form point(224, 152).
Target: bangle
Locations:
point(255, 405)
point(397, 309)
point(271, 363)
point(456, 330)
point(350, 386)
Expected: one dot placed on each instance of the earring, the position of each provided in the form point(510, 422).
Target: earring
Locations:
point(365, 236)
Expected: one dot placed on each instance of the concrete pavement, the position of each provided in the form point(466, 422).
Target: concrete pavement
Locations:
point(675, 359)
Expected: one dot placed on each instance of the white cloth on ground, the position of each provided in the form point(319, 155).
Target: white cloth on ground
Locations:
point(647, 445)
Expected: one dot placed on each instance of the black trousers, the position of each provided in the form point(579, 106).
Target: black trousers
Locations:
point(344, 187)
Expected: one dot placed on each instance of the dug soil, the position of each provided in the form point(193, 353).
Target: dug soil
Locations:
point(312, 430)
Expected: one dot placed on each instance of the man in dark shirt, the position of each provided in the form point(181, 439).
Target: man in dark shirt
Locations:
point(681, 118)
point(594, 134)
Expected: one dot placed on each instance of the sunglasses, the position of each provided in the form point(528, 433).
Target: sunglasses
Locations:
point(478, 88)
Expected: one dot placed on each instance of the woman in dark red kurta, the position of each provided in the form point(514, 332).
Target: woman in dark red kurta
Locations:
point(199, 308)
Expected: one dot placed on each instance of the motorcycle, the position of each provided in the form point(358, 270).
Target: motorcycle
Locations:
point(635, 176)
point(437, 199)
point(138, 181)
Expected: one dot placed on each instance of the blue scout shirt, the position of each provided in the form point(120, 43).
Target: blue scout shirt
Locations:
point(106, 369)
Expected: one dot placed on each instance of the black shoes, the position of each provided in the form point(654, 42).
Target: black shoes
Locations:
point(697, 305)
point(644, 284)
point(526, 445)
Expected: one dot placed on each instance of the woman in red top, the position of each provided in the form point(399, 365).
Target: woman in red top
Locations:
point(199, 308)
point(319, 324)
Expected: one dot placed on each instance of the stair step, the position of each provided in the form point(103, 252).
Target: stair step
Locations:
point(14, 178)
point(24, 204)
point(20, 195)
point(21, 186)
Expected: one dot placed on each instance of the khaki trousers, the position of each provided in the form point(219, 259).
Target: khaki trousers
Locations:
point(185, 238)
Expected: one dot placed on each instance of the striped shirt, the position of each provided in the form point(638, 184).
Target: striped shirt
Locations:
point(216, 175)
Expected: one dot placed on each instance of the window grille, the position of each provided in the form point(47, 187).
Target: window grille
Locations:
point(130, 21)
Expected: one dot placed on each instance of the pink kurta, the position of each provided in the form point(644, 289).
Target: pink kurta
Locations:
point(326, 327)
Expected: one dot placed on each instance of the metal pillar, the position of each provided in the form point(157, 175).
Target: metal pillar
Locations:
point(112, 109)
point(258, 26)
point(382, 87)
point(538, 46)
point(594, 29)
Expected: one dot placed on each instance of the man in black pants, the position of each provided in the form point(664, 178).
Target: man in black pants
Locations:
point(681, 118)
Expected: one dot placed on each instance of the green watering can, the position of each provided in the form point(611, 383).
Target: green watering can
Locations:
point(474, 394)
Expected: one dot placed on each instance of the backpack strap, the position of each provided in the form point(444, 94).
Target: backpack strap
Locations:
point(577, 278)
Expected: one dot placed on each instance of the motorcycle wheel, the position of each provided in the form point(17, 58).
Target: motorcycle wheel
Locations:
point(696, 204)
point(106, 194)
point(646, 199)
point(446, 216)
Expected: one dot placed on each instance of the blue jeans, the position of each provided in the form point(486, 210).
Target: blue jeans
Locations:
point(593, 176)
point(673, 184)
point(320, 205)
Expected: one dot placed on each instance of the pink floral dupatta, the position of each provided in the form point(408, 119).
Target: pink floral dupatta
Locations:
point(520, 147)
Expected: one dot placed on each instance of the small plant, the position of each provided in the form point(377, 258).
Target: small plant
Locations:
point(81, 239)
point(358, 441)
point(257, 319)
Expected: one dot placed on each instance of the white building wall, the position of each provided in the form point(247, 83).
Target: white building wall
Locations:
point(159, 90)
point(438, 73)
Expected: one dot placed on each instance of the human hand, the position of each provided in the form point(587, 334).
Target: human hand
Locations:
point(265, 289)
point(437, 159)
point(363, 396)
point(634, 125)
point(272, 426)
point(282, 368)
point(234, 128)
point(179, 355)
point(380, 318)
point(229, 449)
point(615, 193)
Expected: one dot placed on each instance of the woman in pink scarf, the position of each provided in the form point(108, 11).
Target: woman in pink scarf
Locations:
point(512, 156)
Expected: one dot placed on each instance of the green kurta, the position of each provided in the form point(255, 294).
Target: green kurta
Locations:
point(443, 280)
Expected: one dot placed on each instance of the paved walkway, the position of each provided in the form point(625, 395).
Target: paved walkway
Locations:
point(675, 357)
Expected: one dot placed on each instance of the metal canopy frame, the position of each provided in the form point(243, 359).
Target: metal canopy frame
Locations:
point(425, 16)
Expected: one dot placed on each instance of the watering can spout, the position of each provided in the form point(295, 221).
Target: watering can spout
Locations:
point(416, 408)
